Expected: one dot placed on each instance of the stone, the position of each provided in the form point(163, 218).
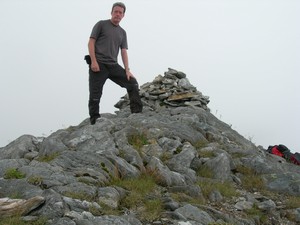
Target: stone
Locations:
point(193, 213)
point(243, 205)
point(14, 207)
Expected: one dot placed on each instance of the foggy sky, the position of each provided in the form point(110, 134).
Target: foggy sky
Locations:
point(243, 54)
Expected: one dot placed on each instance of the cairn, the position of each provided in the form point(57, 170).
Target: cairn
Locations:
point(171, 90)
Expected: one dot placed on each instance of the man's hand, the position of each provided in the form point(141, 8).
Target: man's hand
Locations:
point(95, 67)
point(129, 74)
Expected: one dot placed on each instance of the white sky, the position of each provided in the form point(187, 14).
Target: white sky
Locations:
point(244, 54)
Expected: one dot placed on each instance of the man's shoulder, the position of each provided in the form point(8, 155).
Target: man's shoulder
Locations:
point(103, 22)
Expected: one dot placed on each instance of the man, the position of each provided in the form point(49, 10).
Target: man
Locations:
point(106, 39)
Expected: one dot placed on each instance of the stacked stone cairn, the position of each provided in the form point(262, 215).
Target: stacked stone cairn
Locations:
point(171, 90)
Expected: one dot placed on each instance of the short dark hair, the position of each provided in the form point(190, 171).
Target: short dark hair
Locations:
point(121, 4)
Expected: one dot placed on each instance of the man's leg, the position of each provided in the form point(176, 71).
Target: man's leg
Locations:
point(96, 82)
point(118, 75)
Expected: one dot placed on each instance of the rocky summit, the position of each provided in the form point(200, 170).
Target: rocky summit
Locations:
point(174, 163)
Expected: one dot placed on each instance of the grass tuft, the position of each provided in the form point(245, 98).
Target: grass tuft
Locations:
point(250, 179)
point(17, 220)
point(205, 171)
point(226, 189)
point(48, 158)
point(138, 197)
point(14, 173)
point(138, 140)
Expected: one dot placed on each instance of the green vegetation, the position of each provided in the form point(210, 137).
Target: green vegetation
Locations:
point(236, 155)
point(178, 150)
point(251, 180)
point(35, 180)
point(226, 189)
point(200, 144)
point(204, 171)
point(13, 173)
point(138, 140)
point(16, 220)
point(165, 156)
point(80, 195)
point(152, 210)
point(15, 195)
point(105, 210)
point(182, 197)
point(138, 198)
point(206, 154)
point(255, 212)
point(48, 158)
point(216, 223)
point(292, 202)
point(103, 167)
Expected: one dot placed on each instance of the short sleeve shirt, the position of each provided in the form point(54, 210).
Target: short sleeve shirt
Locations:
point(109, 40)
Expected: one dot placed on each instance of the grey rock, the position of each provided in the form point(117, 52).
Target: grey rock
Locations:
point(53, 144)
point(167, 177)
point(284, 182)
point(107, 220)
point(266, 205)
point(243, 205)
point(297, 214)
point(221, 166)
point(53, 207)
point(19, 147)
point(185, 84)
point(131, 219)
point(215, 196)
point(15, 207)
point(79, 206)
point(19, 187)
point(193, 213)
point(6, 164)
point(65, 221)
point(76, 188)
point(110, 196)
point(170, 204)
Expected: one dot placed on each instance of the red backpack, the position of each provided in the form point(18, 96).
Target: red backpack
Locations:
point(274, 150)
point(283, 151)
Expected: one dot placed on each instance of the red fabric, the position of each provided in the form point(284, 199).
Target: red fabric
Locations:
point(275, 151)
point(294, 160)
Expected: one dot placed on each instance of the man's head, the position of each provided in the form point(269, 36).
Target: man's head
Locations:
point(120, 4)
point(117, 12)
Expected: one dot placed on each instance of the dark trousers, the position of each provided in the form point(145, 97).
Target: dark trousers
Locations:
point(118, 75)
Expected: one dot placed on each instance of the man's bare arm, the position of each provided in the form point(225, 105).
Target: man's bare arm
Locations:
point(126, 63)
point(94, 64)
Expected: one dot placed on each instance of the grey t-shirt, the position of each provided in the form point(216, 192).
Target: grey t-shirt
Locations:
point(109, 39)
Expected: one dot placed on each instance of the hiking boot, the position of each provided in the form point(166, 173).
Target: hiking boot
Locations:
point(94, 119)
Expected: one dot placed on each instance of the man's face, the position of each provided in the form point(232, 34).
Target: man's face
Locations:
point(117, 14)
